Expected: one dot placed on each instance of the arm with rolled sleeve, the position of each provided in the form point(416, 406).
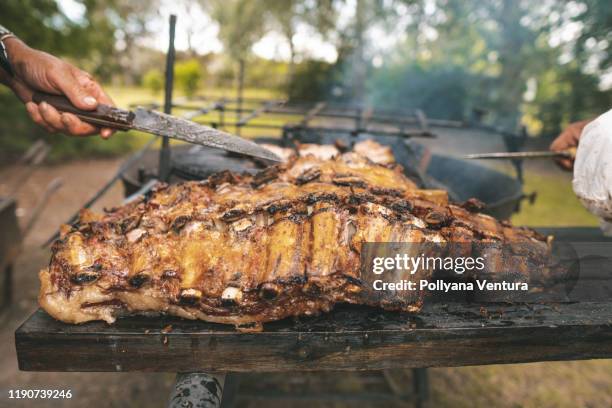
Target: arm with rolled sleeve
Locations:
point(26, 70)
point(593, 169)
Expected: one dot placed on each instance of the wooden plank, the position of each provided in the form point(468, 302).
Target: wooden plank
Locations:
point(349, 338)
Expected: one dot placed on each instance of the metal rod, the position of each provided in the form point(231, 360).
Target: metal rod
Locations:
point(200, 112)
point(366, 116)
point(231, 387)
point(33, 151)
point(141, 191)
point(221, 108)
point(313, 112)
point(302, 105)
point(51, 188)
point(192, 105)
point(352, 131)
point(124, 167)
point(291, 110)
point(357, 122)
point(422, 120)
point(164, 154)
point(521, 155)
point(256, 112)
point(29, 162)
point(330, 112)
point(420, 382)
point(240, 89)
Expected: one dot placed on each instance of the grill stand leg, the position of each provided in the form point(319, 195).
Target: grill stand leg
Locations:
point(197, 390)
point(420, 381)
point(8, 287)
point(219, 390)
point(418, 396)
point(230, 390)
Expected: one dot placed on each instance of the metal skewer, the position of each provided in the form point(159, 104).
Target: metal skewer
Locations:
point(569, 153)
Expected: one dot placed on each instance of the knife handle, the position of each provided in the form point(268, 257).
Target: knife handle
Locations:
point(570, 153)
point(103, 115)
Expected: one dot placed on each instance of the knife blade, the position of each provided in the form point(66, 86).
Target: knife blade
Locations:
point(569, 153)
point(158, 123)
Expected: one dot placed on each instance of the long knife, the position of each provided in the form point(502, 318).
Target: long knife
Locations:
point(569, 154)
point(160, 124)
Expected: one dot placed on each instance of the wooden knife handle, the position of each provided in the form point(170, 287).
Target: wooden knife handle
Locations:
point(570, 153)
point(103, 115)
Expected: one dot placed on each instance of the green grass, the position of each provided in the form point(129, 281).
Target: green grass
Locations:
point(551, 384)
point(555, 205)
point(124, 97)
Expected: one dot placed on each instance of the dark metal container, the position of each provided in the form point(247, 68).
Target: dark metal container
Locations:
point(461, 178)
point(10, 243)
point(501, 193)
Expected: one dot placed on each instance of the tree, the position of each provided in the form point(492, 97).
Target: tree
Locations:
point(41, 25)
point(89, 41)
point(493, 49)
point(153, 80)
point(351, 40)
point(286, 15)
point(114, 27)
point(241, 24)
point(188, 75)
point(596, 21)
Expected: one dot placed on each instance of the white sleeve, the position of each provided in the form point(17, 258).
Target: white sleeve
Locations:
point(593, 169)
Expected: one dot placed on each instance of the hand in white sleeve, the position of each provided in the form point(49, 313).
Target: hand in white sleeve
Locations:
point(593, 169)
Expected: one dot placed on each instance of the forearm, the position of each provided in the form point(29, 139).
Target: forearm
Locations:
point(15, 51)
point(26, 70)
point(6, 71)
point(5, 79)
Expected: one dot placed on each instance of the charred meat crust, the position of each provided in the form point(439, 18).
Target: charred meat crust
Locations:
point(245, 249)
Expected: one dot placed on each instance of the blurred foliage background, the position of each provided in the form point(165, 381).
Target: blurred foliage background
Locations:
point(539, 64)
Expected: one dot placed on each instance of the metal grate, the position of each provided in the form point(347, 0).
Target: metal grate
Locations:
point(288, 119)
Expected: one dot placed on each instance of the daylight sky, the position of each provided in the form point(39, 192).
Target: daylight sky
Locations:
point(272, 46)
point(204, 37)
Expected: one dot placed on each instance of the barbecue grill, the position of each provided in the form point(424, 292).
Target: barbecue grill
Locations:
point(342, 125)
point(10, 242)
point(11, 235)
point(348, 338)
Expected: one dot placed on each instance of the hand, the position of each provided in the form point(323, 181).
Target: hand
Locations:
point(38, 71)
point(570, 137)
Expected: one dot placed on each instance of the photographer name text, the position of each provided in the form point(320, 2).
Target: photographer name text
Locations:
point(420, 263)
point(441, 286)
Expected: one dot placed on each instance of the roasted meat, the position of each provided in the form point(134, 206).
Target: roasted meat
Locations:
point(244, 249)
point(371, 150)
